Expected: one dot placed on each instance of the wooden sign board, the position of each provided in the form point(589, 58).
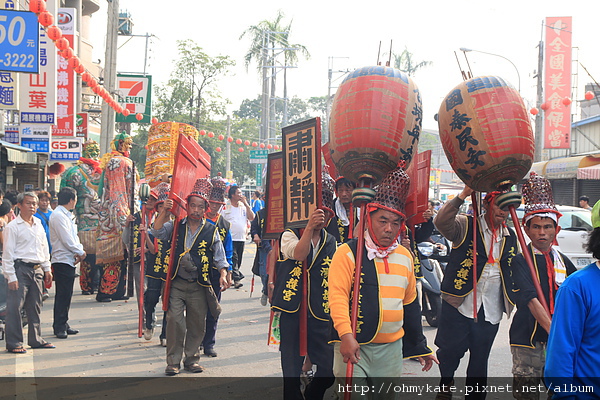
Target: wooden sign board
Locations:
point(274, 222)
point(191, 162)
point(418, 198)
point(302, 171)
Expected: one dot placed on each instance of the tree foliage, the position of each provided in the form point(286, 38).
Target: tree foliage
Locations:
point(191, 95)
point(405, 63)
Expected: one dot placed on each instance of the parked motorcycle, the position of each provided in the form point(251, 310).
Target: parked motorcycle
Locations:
point(431, 299)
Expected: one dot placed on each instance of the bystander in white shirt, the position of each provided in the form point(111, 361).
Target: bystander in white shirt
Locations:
point(63, 237)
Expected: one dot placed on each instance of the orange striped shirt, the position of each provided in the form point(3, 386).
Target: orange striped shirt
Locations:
point(397, 287)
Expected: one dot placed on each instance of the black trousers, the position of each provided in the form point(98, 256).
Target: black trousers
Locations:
point(456, 334)
point(238, 253)
point(210, 335)
point(64, 276)
point(319, 352)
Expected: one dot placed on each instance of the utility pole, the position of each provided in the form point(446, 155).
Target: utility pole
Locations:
point(110, 75)
point(539, 120)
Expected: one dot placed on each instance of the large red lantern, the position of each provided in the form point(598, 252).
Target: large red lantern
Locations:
point(54, 32)
point(375, 122)
point(45, 18)
point(37, 6)
point(485, 131)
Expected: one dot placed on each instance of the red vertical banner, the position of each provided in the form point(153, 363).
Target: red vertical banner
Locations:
point(65, 79)
point(557, 83)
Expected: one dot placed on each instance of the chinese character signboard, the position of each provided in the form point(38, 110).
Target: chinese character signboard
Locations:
point(11, 133)
point(9, 81)
point(302, 171)
point(65, 85)
point(274, 223)
point(66, 149)
point(36, 137)
point(19, 41)
point(557, 85)
point(134, 93)
point(37, 102)
point(82, 125)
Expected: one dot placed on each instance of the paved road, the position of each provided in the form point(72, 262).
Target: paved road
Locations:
point(108, 346)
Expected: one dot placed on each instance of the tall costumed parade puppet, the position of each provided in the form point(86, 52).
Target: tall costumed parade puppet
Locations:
point(488, 140)
point(376, 119)
point(116, 192)
point(84, 178)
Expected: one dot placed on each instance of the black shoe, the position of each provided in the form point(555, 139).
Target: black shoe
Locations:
point(86, 292)
point(71, 331)
point(238, 284)
point(122, 298)
point(103, 299)
point(61, 334)
point(210, 352)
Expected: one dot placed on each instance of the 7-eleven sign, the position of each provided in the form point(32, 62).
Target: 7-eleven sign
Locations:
point(134, 93)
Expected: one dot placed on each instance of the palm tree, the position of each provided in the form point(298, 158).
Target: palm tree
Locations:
point(405, 63)
point(268, 40)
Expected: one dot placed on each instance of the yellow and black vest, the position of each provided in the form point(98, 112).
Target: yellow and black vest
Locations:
point(458, 276)
point(287, 293)
point(201, 250)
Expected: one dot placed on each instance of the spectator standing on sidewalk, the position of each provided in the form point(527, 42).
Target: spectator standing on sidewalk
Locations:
point(238, 213)
point(26, 262)
point(67, 251)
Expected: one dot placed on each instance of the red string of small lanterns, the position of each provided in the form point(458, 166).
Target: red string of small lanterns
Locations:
point(46, 19)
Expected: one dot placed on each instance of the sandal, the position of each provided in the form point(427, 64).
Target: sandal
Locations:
point(17, 350)
point(46, 345)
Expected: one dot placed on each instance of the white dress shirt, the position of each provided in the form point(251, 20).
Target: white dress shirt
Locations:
point(489, 286)
point(24, 242)
point(63, 237)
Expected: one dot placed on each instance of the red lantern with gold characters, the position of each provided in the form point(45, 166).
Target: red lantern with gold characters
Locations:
point(62, 43)
point(375, 122)
point(486, 133)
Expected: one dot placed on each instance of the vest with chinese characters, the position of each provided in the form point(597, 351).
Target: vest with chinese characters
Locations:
point(287, 294)
point(415, 250)
point(223, 227)
point(458, 276)
point(369, 307)
point(201, 251)
point(158, 270)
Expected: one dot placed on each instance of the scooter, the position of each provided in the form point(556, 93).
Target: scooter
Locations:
point(431, 299)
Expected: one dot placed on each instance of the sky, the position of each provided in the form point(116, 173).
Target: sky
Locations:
point(348, 35)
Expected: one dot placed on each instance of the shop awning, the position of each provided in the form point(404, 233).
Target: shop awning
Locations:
point(568, 167)
point(537, 167)
point(19, 154)
point(592, 172)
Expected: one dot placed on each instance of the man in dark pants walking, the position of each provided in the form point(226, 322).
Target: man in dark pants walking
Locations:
point(67, 251)
point(239, 214)
point(458, 330)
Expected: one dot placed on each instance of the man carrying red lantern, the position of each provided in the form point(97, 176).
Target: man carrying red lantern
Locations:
point(389, 317)
point(458, 331)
